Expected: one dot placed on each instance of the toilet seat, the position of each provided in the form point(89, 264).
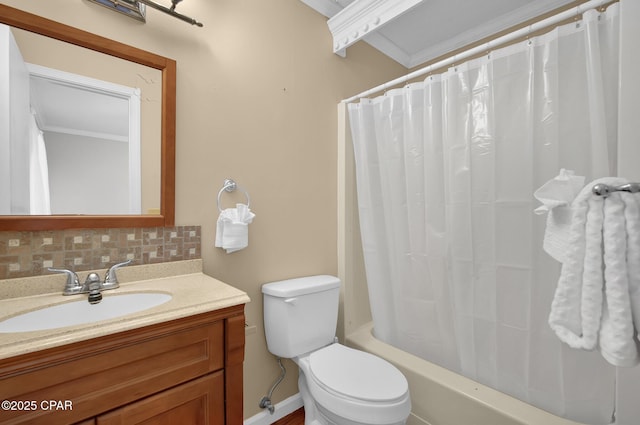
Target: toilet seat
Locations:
point(357, 385)
point(356, 374)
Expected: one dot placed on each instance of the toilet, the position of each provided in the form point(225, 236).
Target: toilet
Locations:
point(339, 385)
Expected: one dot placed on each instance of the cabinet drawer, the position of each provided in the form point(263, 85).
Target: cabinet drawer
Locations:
point(197, 402)
point(112, 374)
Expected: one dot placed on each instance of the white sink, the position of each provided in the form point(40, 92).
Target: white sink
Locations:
point(81, 312)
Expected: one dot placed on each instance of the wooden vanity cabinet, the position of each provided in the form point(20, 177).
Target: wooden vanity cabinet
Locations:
point(185, 371)
point(197, 402)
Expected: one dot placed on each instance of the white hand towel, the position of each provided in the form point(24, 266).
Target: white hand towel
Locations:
point(597, 300)
point(556, 196)
point(232, 230)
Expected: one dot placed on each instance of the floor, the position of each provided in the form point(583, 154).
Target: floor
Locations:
point(295, 418)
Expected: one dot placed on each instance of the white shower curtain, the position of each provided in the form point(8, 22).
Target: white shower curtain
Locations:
point(446, 169)
point(39, 197)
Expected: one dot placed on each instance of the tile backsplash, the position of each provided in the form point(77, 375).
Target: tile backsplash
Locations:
point(31, 253)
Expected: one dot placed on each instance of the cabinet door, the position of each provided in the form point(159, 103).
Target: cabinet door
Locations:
point(198, 402)
point(106, 373)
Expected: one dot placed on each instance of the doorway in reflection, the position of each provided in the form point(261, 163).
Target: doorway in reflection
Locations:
point(91, 131)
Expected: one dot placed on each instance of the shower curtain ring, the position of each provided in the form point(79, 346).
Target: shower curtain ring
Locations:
point(488, 49)
point(601, 8)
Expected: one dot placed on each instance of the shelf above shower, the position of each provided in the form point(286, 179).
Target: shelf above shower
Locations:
point(413, 32)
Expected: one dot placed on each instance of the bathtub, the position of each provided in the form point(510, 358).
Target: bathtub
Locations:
point(442, 397)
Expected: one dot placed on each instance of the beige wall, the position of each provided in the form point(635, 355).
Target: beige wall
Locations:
point(257, 92)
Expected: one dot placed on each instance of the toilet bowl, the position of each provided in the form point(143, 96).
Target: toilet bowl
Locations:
point(339, 385)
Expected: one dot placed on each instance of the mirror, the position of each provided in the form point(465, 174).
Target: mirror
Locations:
point(164, 142)
point(84, 114)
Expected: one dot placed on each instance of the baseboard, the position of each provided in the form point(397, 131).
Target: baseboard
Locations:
point(284, 408)
point(415, 420)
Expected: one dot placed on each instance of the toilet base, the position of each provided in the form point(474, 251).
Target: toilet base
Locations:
point(310, 409)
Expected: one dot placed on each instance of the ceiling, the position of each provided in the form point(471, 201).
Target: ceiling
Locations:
point(413, 32)
point(68, 109)
point(76, 105)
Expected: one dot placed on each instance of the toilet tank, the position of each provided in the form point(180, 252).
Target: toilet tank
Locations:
point(300, 315)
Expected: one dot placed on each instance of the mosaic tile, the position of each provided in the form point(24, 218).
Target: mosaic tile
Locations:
point(31, 253)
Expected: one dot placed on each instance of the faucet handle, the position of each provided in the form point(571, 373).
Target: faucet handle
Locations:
point(73, 283)
point(111, 279)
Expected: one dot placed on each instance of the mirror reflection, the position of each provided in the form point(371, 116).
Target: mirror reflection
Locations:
point(79, 130)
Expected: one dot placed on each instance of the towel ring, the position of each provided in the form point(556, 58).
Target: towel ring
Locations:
point(231, 186)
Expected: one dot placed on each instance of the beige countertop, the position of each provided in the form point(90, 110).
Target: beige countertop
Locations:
point(192, 292)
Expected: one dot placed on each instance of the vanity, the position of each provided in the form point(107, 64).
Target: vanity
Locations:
point(177, 362)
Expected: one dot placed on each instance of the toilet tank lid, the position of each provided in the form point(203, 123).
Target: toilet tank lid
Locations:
point(300, 286)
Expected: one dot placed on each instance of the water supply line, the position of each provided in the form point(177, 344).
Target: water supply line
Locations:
point(265, 402)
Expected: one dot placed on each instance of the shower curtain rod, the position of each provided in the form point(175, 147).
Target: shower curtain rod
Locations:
point(578, 10)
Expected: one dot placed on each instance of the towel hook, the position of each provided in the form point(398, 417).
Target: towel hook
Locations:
point(231, 186)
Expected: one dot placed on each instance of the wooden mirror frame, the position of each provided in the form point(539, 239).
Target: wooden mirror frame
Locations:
point(39, 25)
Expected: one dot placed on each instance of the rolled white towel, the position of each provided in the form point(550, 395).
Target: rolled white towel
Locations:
point(232, 229)
point(617, 343)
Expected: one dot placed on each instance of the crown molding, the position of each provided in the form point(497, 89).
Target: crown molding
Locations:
point(362, 17)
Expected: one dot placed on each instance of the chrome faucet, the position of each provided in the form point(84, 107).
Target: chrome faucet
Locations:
point(92, 284)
